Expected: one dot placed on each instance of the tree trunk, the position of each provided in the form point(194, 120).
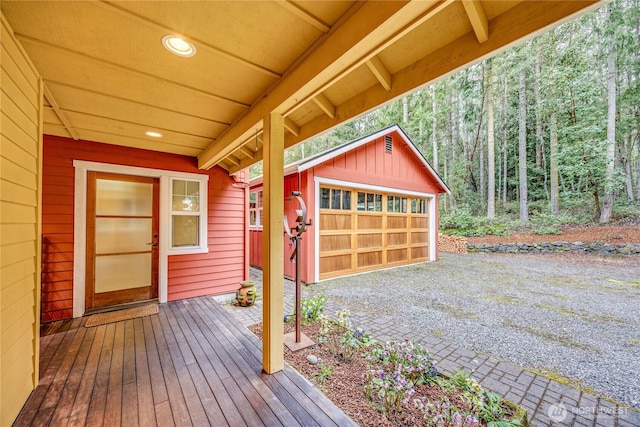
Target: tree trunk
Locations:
point(605, 215)
point(522, 149)
point(405, 109)
point(491, 155)
point(538, 97)
point(638, 171)
point(505, 166)
point(553, 146)
point(434, 129)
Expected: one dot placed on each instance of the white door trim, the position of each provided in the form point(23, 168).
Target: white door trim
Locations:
point(81, 168)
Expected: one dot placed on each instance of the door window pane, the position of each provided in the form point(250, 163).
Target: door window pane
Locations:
point(123, 198)
point(118, 272)
point(119, 235)
point(378, 202)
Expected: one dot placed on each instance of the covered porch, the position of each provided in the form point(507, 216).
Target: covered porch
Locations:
point(190, 364)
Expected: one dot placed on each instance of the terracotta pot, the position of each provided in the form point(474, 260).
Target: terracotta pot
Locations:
point(247, 294)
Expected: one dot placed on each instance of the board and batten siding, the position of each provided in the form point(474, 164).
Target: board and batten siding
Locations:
point(219, 271)
point(20, 186)
point(370, 164)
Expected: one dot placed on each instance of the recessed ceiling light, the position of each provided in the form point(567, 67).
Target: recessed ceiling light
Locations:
point(153, 134)
point(178, 46)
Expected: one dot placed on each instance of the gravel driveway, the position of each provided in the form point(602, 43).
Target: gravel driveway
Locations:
point(578, 317)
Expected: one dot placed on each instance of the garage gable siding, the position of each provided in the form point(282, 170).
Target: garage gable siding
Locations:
point(370, 164)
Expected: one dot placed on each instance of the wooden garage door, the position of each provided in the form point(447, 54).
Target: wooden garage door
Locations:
point(363, 230)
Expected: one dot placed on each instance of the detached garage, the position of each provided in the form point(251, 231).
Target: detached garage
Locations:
point(373, 203)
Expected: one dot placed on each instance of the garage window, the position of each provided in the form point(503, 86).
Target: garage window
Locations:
point(335, 198)
point(369, 202)
point(418, 206)
point(396, 204)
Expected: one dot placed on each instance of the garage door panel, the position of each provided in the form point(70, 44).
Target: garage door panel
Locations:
point(369, 259)
point(420, 237)
point(373, 240)
point(369, 222)
point(335, 263)
point(397, 239)
point(419, 252)
point(335, 243)
point(420, 222)
point(396, 222)
point(331, 221)
point(396, 255)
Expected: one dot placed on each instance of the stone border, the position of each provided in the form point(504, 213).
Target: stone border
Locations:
point(595, 248)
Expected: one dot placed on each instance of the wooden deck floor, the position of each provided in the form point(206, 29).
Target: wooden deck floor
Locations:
point(191, 364)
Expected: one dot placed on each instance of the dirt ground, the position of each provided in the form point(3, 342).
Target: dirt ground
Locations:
point(605, 234)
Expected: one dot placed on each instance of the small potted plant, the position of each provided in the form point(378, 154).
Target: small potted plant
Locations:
point(247, 294)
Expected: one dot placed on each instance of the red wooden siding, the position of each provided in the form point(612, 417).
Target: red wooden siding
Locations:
point(218, 271)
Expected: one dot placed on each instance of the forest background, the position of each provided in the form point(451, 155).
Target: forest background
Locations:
point(544, 134)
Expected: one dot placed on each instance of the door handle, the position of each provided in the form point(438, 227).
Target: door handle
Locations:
point(154, 244)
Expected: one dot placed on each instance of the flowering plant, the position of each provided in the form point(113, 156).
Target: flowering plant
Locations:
point(341, 339)
point(411, 360)
point(389, 391)
point(443, 414)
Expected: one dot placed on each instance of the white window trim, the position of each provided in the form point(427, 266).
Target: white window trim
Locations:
point(357, 186)
point(81, 168)
point(258, 227)
point(203, 247)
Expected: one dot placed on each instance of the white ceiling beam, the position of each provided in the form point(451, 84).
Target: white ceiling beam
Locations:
point(291, 126)
point(199, 43)
point(380, 72)
point(325, 105)
point(478, 19)
point(56, 108)
point(304, 15)
point(368, 26)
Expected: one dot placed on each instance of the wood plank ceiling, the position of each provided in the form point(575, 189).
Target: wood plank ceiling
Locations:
point(108, 78)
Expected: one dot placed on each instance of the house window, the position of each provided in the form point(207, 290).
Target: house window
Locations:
point(396, 204)
point(255, 209)
point(370, 202)
point(388, 144)
point(335, 198)
point(188, 215)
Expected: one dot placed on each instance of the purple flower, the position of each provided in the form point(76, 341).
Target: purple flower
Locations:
point(457, 419)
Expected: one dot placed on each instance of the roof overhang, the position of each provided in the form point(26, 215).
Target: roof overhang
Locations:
point(107, 77)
